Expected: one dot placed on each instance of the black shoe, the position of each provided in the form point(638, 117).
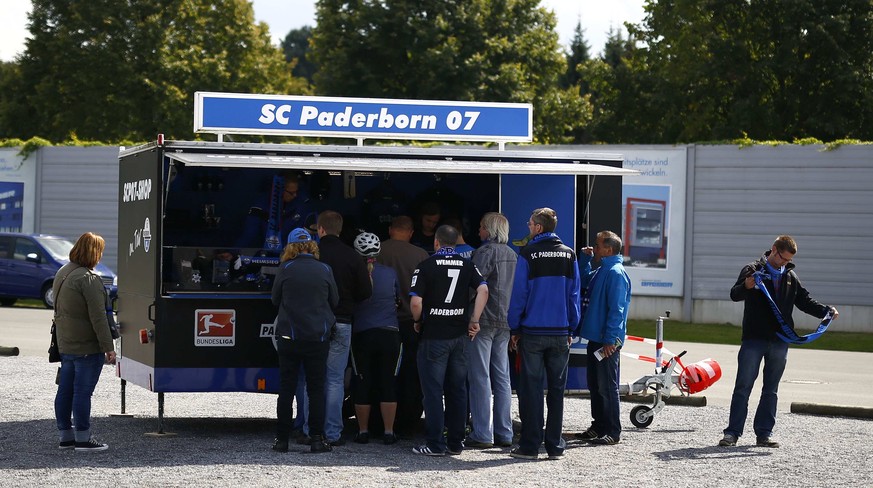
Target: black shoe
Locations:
point(389, 438)
point(502, 443)
point(280, 445)
point(319, 445)
point(588, 435)
point(729, 440)
point(605, 440)
point(766, 442)
point(339, 442)
point(91, 445)
point(478, 444)
point(426, 451)
point(305, 440)
point(517, 453)
point(454, 450)
point(362, 437)
point(66, 444)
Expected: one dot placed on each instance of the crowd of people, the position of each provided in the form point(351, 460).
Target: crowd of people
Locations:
point(429, 330)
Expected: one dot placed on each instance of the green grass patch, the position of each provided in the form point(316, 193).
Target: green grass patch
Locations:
point(731, 334)
point(29, 303)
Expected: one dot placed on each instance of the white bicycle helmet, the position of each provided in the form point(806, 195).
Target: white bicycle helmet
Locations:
point(367, 244)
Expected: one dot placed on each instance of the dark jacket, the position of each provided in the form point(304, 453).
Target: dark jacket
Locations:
point(305, 292)
point(545, 292)
point(350, 274)
point(80, 311)
point(759, 321)
point(497, 263)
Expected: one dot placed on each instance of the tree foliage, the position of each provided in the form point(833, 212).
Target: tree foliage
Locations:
point(580, 52)
point(126, 70)
point(781, 69)
point(477, 50)
point(297, 50)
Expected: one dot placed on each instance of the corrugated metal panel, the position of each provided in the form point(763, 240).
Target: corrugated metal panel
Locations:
point(744, 198)
point(79, 193)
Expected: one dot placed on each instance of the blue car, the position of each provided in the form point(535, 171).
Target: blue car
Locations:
point(29, 262)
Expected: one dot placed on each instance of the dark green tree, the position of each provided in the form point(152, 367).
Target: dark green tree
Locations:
point(112, 71)
point(480, 50)
point(296, 49)
point(781, 69)
point(580, 52)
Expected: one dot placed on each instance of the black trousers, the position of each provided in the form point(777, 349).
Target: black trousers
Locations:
point(409, 406)
point(313, 357)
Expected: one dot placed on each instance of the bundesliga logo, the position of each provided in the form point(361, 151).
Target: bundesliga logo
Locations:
point(214, 327)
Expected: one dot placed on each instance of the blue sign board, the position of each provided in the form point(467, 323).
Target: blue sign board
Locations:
point(362, 118)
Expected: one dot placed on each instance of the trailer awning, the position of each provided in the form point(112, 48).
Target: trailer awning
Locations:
point(365, 164)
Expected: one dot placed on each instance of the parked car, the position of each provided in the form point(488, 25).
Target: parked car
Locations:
point(29, 262)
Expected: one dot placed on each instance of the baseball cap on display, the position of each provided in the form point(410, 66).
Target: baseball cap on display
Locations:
point(299, 235)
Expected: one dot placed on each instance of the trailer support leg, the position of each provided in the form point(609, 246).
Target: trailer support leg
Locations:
point(160, 432)
point(123, 412)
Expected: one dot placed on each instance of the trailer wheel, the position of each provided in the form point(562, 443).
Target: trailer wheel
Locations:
point(640, 416)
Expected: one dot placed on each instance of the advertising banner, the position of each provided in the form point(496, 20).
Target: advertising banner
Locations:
point(17, 192)
point(653, 223)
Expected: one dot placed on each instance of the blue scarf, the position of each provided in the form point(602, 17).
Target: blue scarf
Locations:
point(786, 333)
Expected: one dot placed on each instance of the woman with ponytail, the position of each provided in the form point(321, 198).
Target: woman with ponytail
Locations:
point(376, 344)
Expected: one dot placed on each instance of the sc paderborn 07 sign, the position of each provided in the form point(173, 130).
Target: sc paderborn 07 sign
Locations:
point(362, 118)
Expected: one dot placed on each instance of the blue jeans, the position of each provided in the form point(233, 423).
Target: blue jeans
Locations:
point(602, 379)
point(442, 366)
point(335, 387)
point(487, 374)
point(79, 375)
point(774, 353)
point(542, 356)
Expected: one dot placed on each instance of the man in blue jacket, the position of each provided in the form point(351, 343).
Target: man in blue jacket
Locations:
point(543, 311)
point(605, 304)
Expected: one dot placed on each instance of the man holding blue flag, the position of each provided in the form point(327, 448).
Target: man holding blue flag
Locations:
point(771, 290)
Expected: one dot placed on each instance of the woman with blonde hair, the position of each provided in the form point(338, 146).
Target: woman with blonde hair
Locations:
point(84, 341)
point(305, 293)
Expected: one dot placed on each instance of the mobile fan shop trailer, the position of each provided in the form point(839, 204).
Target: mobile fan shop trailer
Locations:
point(194, 286)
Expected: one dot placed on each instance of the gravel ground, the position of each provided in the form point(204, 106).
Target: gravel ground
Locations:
point(223, 439)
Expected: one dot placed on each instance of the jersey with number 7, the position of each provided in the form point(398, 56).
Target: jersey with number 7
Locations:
point(444, 282)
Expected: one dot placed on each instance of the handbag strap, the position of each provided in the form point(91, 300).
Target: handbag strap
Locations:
point(55, 304)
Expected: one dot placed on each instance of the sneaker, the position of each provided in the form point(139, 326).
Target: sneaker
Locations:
point(517, 453)
point(729, 440)
point(339, 442)
point(556, 456)
point(588, 435)
point(319, 445)
point(389, 438)
point(280, 445)
point(766, 442)
point(66, 444)
point(362, 437)
point(502, 443)
point(478, 444)
point(605, 440)
point(454, 451)
point(426, 451)
point(91, 445)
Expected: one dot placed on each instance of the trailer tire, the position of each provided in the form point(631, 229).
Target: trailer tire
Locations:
point(640, 418)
